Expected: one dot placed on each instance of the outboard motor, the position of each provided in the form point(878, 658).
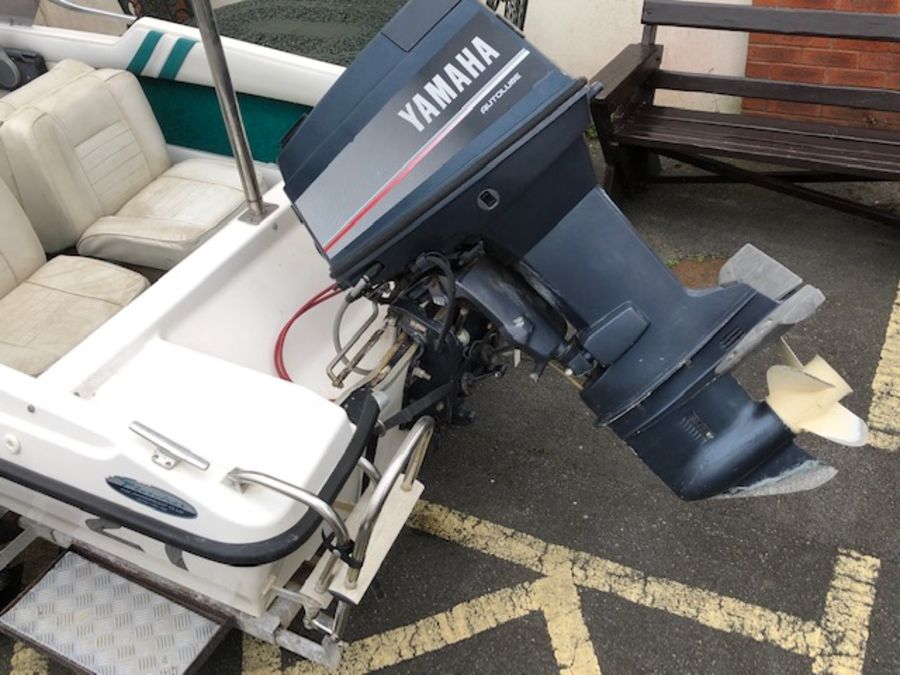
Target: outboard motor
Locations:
point(446, 175)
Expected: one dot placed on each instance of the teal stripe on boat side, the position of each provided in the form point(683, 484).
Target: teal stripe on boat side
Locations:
point(189, 116)
point(182, 48)
point(144, 52)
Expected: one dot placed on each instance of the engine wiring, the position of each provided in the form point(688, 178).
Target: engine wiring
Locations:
point(427, 264)
point(448, 282)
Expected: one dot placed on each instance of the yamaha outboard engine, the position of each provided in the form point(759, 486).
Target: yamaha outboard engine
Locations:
point(446, 174)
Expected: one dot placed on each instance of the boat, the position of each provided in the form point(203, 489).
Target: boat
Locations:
point(271, 279)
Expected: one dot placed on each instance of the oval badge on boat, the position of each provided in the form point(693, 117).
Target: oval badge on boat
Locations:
point(152, 497)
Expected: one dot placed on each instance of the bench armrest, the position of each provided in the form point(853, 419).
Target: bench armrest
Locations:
point(627, 73)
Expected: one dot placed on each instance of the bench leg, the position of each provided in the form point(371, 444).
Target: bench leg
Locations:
point(628, 170)
point(612, 185)
point(642, 166)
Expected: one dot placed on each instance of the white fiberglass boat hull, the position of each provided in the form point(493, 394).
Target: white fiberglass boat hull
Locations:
point(192, 360)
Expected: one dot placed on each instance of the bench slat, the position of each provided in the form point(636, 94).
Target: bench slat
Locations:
point(771, 20)
point(821, 147)
point(796, 127)
point(774, 142)
point(848, 97)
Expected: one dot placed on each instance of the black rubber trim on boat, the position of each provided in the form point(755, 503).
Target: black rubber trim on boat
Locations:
point(363, 412)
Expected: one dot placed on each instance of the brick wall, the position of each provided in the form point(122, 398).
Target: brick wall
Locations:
point(825, 61)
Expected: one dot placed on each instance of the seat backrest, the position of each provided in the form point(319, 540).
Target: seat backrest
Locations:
point(57, 77)
point(80, 152)
point(60, 75)
point(21, 254)
point(5, 170)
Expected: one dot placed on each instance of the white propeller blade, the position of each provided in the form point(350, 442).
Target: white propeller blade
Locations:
point(840, 426)
point(806, 398)
point(787, 355)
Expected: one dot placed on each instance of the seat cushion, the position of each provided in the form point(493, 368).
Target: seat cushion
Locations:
point(169, 218)
point(59, 306)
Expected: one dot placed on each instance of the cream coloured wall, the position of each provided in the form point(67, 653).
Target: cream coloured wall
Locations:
point(583, 35)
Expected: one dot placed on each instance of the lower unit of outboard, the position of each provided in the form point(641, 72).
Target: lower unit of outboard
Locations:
point(453, 147)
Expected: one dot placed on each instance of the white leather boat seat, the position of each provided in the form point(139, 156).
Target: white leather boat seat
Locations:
point(58, 76)
point(93, 171)
point(47, 308)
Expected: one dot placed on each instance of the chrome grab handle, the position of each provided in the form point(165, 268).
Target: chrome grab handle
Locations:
point(369, 469)
point(241, 478)
point(127, 18)
point(410, 457)
point(168, 453)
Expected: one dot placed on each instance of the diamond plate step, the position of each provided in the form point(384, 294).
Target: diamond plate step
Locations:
point(100, 622)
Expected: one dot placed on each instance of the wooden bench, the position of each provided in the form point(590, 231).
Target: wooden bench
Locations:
point(634, 131)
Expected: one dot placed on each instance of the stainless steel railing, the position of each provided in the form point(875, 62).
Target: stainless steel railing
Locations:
point(407, 461)
point(330, 517)
point(409, 458)
point(231, 112)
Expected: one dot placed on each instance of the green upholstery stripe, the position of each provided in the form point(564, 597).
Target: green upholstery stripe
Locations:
point(144, 52)
point(182, 48)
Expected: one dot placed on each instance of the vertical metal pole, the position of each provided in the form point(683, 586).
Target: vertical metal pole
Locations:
point(231, 112)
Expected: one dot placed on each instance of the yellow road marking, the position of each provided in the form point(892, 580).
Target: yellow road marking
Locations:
point(884, 414)
point(27, 661)
point(848, 607)
point(558, 599)
point(836, 644)
point(259, 658)
point(459, 623)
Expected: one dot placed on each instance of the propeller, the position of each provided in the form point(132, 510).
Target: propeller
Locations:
point(806, 398)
